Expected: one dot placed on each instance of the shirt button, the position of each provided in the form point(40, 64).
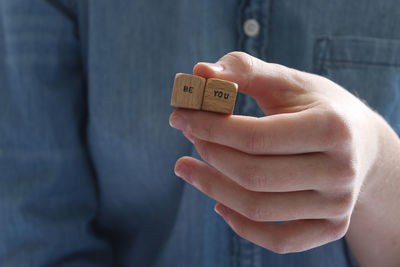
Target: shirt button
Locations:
point(251, 27)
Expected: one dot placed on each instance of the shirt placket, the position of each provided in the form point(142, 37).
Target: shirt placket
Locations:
point(253, 31)
point(253, 25)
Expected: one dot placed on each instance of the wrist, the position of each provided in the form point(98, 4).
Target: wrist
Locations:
point(373, 235)
point(382, 151)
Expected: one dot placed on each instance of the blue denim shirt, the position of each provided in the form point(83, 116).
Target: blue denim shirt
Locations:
point(86, 152)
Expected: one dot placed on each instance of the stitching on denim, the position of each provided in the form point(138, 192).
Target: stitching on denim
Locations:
point(368, 40)
point(235, 251)
point(241, 9)
point(321, 51)
point(333, 63)
point(266, 5)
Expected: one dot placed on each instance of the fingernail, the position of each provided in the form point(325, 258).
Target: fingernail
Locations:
point(178, 122)
point(222, 210)
point(214, 66)
point(188, 136)
point(184, 172)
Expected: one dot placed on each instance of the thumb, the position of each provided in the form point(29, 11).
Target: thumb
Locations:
point(272, 85)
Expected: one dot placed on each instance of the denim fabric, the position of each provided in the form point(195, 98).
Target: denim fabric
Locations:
point(86, 152)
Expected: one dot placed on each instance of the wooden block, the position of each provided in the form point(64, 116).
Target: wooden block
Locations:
point(219, 96)
point(188, 91)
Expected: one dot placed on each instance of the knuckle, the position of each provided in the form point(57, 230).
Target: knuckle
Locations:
point(244, 62)
point(337, 229)
point(343, 171)
point(287, 245)
point(343, 205)
point(242, 59)
point(250, 178)
point(255, 142)
point(239, 228)
point(346, 173)
point(280, 246)
point(338, 132)
point(256, 212)
point(208, 131)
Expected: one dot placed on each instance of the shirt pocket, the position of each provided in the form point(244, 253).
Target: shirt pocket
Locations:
point(367, 67)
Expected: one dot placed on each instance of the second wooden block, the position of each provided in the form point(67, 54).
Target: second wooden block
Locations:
point(219, 96)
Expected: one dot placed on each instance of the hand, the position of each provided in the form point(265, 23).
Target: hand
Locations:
point(305, 163)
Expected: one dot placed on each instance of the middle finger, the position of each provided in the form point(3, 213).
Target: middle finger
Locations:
point(257, 206)
point(272, 173)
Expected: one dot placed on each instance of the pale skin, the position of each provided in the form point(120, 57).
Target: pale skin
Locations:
point(321, 160)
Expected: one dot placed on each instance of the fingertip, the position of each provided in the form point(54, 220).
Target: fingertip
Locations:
point(170, 119)
point(178, 121)
point(208, 70)
point(201, 69)
point(182, 160)
point(186, 160)
point(183, 170)
point(235, 66)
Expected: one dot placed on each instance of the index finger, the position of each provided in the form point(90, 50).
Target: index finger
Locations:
point(289, 133)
